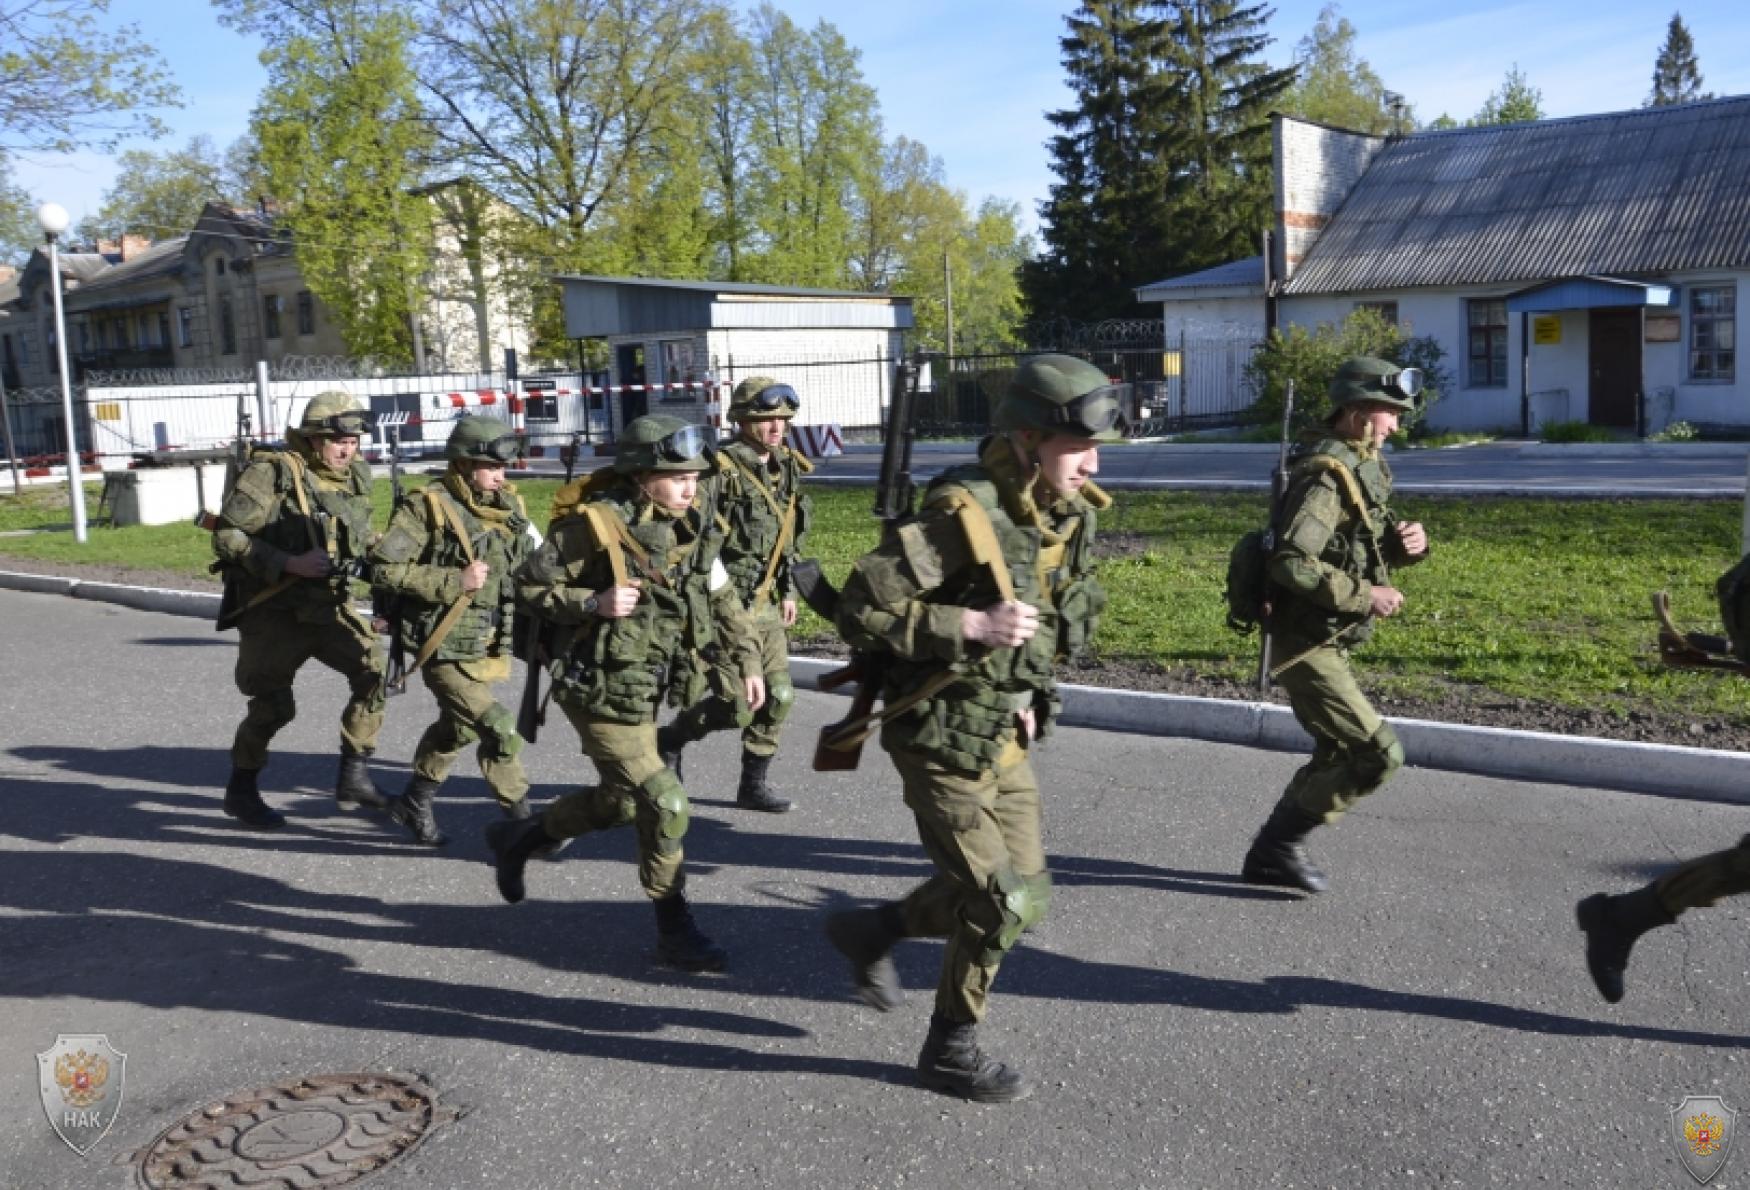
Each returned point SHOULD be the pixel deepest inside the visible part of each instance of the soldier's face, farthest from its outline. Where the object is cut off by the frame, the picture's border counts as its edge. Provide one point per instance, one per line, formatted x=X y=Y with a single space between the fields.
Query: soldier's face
x=1375 y=423
x=765 y=433
x=1066 y=463
x=674 y=490
x=486 y=478
x=337 y=452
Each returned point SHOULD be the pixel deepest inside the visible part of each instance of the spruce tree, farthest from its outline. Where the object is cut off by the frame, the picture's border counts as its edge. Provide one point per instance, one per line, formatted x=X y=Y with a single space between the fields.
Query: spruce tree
x=1676 y=76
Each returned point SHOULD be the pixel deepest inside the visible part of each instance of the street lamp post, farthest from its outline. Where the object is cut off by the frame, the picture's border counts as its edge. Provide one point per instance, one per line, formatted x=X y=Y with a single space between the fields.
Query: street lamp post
x=53 y=219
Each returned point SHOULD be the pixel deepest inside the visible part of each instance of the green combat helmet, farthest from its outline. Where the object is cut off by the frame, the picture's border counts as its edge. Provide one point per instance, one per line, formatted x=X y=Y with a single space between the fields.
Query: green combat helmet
x=1060 y=394
x=760 y=397
x=478 y=439
x=333 y=414
x=1377 y=382
x=658 y=443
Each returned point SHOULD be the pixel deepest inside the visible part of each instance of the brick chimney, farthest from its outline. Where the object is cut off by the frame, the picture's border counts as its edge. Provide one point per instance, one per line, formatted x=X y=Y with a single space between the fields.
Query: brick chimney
x=129 y=247
x=1316 y=167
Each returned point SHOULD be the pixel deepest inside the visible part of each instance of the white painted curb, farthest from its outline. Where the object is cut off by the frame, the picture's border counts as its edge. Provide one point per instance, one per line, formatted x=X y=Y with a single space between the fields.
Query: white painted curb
x=1701 y=773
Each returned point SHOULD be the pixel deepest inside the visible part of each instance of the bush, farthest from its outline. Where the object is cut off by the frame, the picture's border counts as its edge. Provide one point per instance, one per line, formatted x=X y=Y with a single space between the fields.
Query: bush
x=1677 y=431
x=1311 y=359
x=1574 y=431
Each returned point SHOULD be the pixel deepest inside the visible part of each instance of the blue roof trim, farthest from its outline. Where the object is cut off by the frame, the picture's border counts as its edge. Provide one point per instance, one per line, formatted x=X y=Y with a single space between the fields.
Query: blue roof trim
x=1589 y=293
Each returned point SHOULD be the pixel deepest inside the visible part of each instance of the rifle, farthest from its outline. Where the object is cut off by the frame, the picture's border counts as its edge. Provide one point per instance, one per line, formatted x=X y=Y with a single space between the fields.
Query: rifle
x=529 y=643
x=385 y=604
x=571 y=455
x=894 y=494
x=1278 y=494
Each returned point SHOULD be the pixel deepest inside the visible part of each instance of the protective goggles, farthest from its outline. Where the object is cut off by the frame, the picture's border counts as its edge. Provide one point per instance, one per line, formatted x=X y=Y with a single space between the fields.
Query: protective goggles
x=768 y=399
x=504 y=448
x=684 y=445
x=1406 y=383
x=352 y=424
x=1093 y=413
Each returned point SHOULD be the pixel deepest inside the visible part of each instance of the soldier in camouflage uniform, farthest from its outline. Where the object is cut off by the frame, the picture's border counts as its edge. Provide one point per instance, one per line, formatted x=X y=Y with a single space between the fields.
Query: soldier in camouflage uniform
x=970 y=606
x=293 y=531
x=1613 y=923
x=631 y=583
x=449 y=553
x=1330 y=576
x=760 y=497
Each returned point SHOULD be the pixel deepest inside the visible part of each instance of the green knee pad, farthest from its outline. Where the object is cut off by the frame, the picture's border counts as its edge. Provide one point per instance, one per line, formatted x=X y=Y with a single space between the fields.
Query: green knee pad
x=498 y=728
x=780 y=697
x=367 y=687
x=278 y=709
x=1382 y=757
x=669 y=801
x=1019 y=903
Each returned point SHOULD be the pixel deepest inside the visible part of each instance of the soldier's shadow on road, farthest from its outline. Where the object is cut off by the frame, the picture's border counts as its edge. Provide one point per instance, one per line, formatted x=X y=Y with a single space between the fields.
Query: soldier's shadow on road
x=184 y=642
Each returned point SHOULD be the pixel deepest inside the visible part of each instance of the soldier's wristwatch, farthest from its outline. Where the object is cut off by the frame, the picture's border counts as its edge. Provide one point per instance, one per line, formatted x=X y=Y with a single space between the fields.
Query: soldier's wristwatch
x=590 y=605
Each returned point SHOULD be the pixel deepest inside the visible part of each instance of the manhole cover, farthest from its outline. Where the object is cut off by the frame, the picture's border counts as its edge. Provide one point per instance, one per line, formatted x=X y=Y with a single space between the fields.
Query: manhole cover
x=322 y=1131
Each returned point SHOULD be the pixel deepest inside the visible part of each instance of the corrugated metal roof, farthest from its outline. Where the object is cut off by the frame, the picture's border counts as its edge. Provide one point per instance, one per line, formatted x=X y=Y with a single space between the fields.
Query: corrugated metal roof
x=1247 y=272
x=731 y=287
x=1655 y=190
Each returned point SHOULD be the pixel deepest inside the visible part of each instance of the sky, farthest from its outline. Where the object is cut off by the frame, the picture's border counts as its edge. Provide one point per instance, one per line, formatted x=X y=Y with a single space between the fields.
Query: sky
x=973 y=79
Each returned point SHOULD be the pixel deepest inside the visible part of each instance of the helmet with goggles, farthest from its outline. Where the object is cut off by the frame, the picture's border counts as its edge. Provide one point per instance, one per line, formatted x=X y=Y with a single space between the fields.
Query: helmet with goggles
x=333 y=414
x=1362 y=379
x=480 y=439
x=658 y=443
x=760 y=397
x=1060 y=394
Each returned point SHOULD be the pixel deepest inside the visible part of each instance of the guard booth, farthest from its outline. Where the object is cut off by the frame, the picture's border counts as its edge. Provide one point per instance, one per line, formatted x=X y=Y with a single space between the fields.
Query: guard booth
x=1587 y=347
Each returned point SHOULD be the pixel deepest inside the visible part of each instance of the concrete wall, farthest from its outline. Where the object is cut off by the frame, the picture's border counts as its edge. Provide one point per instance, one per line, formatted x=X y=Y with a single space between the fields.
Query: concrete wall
x=1213 y=318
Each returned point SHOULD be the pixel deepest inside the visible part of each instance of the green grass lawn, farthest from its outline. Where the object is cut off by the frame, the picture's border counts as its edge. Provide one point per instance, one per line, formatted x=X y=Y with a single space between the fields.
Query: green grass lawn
x=1534 y=599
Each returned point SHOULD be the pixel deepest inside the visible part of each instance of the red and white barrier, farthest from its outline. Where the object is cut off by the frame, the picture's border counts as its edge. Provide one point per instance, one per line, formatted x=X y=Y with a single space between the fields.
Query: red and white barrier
x=817 y=442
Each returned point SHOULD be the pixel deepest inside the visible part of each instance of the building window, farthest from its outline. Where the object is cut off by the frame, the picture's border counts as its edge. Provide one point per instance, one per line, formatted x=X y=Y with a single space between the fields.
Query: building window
x=1713 y=332
x=306 y=313
x=219 y=267
x=163 y=329
x=270 y=315
x=1386 y=310
x=184 y=326
x=227 y=329
x=1487 y=321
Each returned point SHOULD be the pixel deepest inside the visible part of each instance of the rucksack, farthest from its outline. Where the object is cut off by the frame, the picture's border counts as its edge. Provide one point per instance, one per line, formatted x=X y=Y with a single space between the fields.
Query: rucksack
x=1733 y=591
x=1248 y=563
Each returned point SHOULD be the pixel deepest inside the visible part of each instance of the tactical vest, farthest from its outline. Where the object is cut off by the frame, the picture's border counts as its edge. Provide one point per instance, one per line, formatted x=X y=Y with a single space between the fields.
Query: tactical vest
x=965 y=726
x=339 y=520
x=1357 y=548
x=620 y=669
x=756 y=522
x=485 y=625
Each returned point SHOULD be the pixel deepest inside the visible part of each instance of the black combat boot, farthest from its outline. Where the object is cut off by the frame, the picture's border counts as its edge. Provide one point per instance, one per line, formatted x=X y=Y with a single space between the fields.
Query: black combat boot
x=243 y=801
x=512 y=844
x=866 y=936
x=1612 y=924
x=1277 y=857
x=413 y=811
x=756 y=793
x=679 y=941
x=668 y=746
x=354 y=787
x=952 y=1062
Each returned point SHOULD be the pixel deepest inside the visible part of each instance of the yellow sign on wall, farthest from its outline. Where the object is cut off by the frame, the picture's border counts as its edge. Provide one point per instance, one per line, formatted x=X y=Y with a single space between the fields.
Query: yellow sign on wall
x=1546 y=329
x=107 y=411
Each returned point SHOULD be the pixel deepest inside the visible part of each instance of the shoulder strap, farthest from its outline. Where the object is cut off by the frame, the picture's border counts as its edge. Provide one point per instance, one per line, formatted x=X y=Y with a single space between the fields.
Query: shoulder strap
x=1346 y=480
x=786 y=518
x=444 y=512
x=607 y=530
x=981 y=537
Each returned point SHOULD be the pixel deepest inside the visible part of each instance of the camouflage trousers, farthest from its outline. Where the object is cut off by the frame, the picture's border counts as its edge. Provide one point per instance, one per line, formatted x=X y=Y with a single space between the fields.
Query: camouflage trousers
x=636 y=789
x=726 y=706
x=983 y=833
x=468 y=713
x=1703 y=881
x=273 y=645
x=1354 y=750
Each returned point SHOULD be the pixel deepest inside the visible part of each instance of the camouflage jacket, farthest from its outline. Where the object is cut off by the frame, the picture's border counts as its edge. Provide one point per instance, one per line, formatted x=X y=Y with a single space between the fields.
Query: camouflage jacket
x=754 y=496
x=263 y=526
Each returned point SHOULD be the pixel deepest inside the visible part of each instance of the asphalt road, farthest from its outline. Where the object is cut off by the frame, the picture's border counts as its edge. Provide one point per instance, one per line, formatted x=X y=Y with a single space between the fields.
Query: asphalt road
x=1426 y=1022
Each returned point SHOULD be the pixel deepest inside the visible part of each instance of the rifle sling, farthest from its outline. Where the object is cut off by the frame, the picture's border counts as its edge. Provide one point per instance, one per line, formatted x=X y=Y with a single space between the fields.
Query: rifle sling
x=787 y=525
x=444 y=513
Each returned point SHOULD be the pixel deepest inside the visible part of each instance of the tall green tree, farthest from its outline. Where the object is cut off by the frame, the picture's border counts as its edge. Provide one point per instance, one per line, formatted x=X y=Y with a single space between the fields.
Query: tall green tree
x=67 y=81
x=159 y=195
x=19 y=233
x=1516 y=101
x=816 y=134
x=342 y=139
x=720 y=109
x=1676 y=73
x=987 y=272
x=1337 y=86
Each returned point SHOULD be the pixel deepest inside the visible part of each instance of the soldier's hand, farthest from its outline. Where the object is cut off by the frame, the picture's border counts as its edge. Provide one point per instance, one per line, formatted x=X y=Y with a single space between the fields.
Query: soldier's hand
x=787 y=609
x=1001 y=625
x=616 y=602
x=311 y=564
x=474 y=576
x=1385 y=601
x=1029 y=725
x=755 y=690
x=1413 y=538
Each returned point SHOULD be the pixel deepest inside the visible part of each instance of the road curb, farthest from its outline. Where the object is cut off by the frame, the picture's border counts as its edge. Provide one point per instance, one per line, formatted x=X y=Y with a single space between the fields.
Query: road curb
x=1702 y=773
